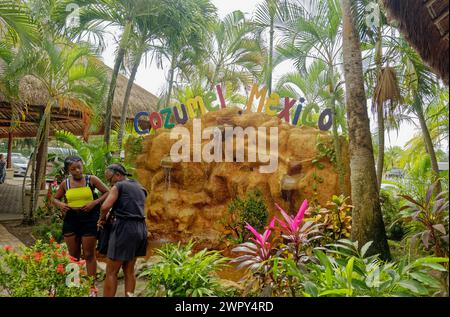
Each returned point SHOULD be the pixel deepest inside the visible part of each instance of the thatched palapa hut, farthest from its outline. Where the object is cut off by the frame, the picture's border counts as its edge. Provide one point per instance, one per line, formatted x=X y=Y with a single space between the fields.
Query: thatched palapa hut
x=424 y=23
x=34 y=99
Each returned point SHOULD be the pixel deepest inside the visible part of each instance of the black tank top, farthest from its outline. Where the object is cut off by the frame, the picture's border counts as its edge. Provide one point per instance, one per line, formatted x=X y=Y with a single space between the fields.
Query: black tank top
x=131 y=200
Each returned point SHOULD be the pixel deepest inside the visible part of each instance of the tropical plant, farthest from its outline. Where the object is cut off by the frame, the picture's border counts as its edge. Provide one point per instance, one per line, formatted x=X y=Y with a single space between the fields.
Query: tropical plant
x=16 y=23
x=251 y=210
x=367 y=219
x=297 y=236
x=95 y=154
x=431 y=212
x=122 y=15
x=233 y=56
x=72 y=78
x=182 y=273
x=185 y=25
x=315 y=35
x=43 y=270
x=335 y=217
x=342 y=270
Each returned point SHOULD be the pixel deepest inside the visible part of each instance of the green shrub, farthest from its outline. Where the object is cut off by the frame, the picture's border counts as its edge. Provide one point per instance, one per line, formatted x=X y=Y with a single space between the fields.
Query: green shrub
x=42 y=231
x=251 y=210
x=341 y=270
x=390 y=208
x=45 y=269
x=181 y=273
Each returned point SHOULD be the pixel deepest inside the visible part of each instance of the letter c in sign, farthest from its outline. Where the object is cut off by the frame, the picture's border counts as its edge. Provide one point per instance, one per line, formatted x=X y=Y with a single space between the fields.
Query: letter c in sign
x=326 y=126
x=136 y=123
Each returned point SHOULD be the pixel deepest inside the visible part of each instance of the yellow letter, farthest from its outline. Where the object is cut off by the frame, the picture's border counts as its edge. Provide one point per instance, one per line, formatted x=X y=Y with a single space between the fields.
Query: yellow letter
x=273 y=100
x=195 y=103
x=261 y=95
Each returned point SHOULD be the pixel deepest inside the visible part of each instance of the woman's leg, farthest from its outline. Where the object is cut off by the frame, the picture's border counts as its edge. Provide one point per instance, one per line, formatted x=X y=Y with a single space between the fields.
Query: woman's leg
x=89 y=244
x=73 y=244
x=130 y=278
x=110 y=286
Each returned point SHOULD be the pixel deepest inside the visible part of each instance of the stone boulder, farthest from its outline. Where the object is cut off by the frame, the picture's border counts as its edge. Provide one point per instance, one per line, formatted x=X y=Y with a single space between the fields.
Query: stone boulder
x=190 y=199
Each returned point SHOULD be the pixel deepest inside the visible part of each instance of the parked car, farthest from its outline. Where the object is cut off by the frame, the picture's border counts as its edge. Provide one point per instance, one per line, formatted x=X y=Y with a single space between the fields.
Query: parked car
x=20 y=165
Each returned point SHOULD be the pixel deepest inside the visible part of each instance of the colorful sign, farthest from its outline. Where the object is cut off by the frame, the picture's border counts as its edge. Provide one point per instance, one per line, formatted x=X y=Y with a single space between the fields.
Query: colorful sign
x=181 y=114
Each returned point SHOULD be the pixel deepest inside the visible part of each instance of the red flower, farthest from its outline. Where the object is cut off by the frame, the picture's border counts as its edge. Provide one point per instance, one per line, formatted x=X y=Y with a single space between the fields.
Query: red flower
x=60 y=268
x=52 y=240
x=72 y=259
x=57 y=246
x=81 y=263
x=37 y=256
x=7 y=248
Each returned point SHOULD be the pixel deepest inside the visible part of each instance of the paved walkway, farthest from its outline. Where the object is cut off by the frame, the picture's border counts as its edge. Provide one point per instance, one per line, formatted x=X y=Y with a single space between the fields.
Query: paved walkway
x=7 y=238
x=11 y=196
x=10 y=210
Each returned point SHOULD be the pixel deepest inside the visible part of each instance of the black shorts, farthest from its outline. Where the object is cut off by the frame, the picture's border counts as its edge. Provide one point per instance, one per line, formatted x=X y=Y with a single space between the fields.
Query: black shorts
x=81 y=223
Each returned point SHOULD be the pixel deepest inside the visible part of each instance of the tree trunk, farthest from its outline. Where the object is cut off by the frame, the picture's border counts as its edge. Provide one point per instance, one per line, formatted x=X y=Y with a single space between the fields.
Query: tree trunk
x=336 y=141
x=113 y=83
x=270 y=65
x=123 y=116
x=8 y=157
x=367 y=223
x=429 y=147
x=380 y=112
x=380 y=157
x=171 y=78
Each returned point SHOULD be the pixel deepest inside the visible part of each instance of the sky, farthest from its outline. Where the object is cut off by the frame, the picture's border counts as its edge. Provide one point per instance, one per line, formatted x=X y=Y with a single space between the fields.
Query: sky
x=154 y=80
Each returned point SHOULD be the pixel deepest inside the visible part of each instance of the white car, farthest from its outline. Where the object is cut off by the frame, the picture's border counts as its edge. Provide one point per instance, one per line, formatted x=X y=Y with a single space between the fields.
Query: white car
x=20 y=165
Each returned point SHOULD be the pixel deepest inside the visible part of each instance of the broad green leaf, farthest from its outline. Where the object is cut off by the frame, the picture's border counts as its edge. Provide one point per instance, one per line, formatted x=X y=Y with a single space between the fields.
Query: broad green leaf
x=425 y=279
x=365 y=248
x=414 y=287
x=339 y=291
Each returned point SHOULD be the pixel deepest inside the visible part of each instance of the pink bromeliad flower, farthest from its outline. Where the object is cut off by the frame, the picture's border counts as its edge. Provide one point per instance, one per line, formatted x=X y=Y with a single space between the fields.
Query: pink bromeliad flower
x=262 y=239
x=291 y=225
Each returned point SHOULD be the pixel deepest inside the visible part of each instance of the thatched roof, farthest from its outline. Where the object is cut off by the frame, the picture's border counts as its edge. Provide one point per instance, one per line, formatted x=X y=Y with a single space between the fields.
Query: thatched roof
x=424 y=23
x=33 y=94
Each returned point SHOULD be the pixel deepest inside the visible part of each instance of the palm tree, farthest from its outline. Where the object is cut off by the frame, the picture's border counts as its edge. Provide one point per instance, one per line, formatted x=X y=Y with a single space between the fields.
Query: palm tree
x=72 y=77
x=185 y=25
x=313 y=86
x=146 y=31
x=118 y=14
x=381 y=79
x=316 y=36
x=419 y=85
x=367 y=219
x=272 y=15
x=15 y=22
x=232 y=58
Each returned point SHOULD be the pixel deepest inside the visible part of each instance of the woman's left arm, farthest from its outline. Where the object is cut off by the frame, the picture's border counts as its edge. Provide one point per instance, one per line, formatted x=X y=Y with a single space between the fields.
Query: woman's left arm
x=107 y=205
x=98 y=184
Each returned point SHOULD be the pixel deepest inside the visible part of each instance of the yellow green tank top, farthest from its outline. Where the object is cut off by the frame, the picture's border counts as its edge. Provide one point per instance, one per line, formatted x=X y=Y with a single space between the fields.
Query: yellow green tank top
x=80 y=196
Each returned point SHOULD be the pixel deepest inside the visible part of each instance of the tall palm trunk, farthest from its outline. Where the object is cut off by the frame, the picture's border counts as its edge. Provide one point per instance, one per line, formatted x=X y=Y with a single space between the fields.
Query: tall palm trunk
x=171 y=78
x=123 y=116
x=380 y=113
x=270 y=65
x=367 y=219
x=380 y=157
x=336 y=141
x=429 y=146
x=112 y=86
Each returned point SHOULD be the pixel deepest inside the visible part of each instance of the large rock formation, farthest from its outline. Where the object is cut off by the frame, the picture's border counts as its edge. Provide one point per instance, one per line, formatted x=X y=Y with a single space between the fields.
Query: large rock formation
x=190 y=200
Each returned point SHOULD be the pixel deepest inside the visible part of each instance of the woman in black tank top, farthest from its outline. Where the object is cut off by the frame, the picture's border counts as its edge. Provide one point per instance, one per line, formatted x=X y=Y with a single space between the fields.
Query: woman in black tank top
x=128 y=236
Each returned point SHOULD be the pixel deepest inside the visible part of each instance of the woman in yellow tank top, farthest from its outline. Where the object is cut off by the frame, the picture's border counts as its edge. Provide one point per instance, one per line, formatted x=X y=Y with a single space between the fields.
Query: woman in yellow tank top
x=80 y=210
